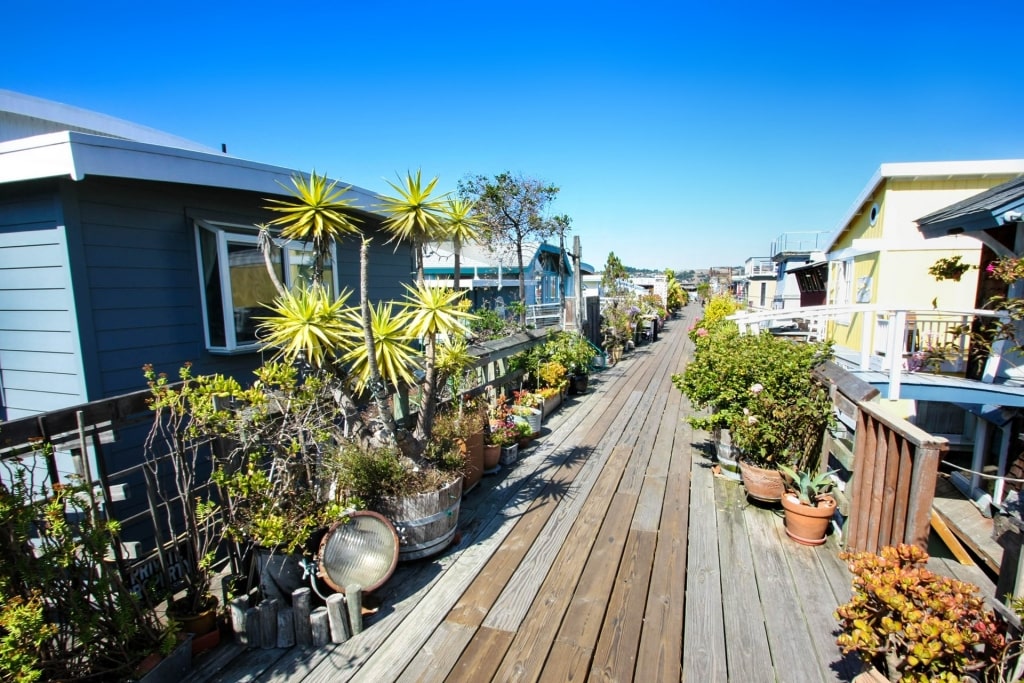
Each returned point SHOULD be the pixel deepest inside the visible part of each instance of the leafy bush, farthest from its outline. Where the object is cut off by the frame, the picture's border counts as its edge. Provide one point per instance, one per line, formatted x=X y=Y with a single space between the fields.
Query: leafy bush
x=65 y=613
x=726 y=365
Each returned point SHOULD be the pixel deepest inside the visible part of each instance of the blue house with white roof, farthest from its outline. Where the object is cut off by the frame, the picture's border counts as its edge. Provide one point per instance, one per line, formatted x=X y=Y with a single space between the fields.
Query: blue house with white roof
x=121 y=245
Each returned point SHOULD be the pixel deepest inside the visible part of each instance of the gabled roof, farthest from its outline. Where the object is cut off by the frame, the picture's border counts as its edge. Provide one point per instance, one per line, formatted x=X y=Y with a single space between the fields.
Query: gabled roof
x=980 y=212
x=922 y=170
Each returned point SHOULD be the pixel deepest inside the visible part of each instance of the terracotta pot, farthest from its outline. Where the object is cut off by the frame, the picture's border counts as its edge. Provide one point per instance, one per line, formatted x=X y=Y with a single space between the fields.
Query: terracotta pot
x=197 y=624
x=492 y=456
x=473 y=451
x=762 y=484
x=808 y=524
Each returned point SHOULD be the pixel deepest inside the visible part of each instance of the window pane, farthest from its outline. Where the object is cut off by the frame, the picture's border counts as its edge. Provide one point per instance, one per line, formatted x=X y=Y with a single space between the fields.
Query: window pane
x=211 y=287
x=300 y=263
x=252 y=290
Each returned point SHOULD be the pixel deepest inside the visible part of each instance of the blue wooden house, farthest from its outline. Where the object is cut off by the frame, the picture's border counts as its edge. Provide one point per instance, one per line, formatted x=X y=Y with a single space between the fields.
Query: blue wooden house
x=121 y=246
x=492 y=276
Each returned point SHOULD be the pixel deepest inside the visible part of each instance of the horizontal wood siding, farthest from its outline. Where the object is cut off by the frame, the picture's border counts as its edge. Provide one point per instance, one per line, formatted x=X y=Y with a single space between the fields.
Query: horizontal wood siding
x=40 y=362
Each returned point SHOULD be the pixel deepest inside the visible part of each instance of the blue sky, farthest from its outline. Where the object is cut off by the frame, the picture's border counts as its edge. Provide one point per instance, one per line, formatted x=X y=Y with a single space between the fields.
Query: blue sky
x=681 y=134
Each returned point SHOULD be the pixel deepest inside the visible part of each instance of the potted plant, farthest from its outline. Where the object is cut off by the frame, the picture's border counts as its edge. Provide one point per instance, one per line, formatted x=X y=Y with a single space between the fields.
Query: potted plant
x=502 y=435
x=808 y=504
x=772 y=432
x=914 y=625
x=527 y=407
x=760 y=384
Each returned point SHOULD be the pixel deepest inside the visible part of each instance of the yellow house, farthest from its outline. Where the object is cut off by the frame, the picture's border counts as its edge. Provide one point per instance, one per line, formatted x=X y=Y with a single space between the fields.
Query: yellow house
x=877 y=255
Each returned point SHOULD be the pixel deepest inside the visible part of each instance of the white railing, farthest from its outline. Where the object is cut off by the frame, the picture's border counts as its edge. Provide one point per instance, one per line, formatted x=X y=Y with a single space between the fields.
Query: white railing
x=544 y=315
x=890 y=338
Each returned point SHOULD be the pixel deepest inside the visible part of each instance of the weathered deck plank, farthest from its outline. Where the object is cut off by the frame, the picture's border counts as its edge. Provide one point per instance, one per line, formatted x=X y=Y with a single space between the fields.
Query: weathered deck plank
x=744 y=620
x=704 y=643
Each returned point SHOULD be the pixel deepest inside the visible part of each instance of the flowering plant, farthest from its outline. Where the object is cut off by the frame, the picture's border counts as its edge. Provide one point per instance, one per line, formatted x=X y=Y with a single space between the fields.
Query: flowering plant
x=502 y=434
x=773 y=430
x=527 y=399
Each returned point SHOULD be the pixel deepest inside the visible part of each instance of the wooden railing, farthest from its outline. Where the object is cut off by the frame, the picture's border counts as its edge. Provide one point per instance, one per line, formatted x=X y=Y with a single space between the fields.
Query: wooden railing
x=895 y=467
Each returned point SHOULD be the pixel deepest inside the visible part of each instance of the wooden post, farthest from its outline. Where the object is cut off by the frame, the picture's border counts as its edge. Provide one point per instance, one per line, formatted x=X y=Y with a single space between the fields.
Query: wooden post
x=336 y=615
x=301 y=604
x=285 y=627
x=238 y=607
x=268 y=623
x=354 y=597
x=320 y=626
x=252 y=627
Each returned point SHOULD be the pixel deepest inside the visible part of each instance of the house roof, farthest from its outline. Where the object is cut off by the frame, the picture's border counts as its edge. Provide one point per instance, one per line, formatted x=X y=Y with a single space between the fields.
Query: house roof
x=76 y=155
x=440 y=259
x=980 y=212
x=23 y=116
x=921 y=170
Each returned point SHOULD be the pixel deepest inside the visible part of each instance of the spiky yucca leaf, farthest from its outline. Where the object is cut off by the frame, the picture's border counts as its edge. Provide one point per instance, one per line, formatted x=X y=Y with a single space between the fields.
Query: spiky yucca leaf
x=320 y=213
x=453 y=356
x=413 y=215
x=436 y=310
x=462 y=224
x=396 y=359
x=308 y=321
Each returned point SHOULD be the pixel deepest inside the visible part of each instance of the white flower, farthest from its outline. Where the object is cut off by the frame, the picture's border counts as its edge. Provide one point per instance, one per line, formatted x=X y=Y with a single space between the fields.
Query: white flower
x=757 y=388
x=752 y=419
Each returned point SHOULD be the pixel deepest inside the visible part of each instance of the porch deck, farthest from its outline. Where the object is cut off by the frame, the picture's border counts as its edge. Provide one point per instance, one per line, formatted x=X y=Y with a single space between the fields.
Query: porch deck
x=609 y=552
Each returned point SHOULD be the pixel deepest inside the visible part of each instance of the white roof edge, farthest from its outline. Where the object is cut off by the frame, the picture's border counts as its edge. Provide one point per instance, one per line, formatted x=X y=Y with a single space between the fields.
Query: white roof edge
x=922 y=169
x=101 y=124
x=77 y=155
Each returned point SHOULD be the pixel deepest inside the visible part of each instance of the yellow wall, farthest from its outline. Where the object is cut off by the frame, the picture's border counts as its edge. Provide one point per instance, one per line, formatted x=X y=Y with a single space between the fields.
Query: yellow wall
x=899 y=267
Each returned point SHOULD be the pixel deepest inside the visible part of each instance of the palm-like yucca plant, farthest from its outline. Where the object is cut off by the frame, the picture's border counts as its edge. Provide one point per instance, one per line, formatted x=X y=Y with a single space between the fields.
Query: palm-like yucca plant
x=433 y=311
x=395 y=358
x=319 y=214
x=307 y=321
x=414 y=215
x=462 y=224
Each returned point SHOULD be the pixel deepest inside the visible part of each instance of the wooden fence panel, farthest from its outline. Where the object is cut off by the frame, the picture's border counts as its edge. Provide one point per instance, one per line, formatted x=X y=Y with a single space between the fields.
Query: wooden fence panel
x=894 y=474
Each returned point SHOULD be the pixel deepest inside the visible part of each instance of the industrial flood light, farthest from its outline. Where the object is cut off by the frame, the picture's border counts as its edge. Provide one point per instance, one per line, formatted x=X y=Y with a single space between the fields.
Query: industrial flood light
x=361 y=549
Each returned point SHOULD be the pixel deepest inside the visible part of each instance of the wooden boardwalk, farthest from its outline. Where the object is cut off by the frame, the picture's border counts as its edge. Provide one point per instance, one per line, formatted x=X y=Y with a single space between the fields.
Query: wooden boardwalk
x=609 y=552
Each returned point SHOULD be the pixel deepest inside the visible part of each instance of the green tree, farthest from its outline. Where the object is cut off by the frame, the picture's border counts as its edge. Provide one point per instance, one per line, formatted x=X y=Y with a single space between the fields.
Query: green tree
x=512 y=208
x=614 y=276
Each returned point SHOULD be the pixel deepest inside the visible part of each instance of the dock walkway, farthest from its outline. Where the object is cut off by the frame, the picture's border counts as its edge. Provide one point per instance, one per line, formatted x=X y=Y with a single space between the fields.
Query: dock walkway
x=609 y=552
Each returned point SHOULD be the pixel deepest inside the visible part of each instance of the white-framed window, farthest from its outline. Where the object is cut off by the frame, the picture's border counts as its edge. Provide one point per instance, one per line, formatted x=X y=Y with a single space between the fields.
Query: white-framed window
x=843 y=292
x=235 y=286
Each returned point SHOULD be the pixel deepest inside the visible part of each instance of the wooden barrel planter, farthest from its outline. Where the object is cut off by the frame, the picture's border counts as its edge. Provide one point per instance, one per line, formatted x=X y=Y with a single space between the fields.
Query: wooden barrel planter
x=425 y=522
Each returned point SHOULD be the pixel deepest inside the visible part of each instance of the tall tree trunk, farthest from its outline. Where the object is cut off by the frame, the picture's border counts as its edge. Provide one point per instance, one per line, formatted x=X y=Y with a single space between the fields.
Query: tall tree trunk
x=457 y=245
x=522 y=283
x=425 y=423
x=387 y=418
x=418 y=251
x=265 y=244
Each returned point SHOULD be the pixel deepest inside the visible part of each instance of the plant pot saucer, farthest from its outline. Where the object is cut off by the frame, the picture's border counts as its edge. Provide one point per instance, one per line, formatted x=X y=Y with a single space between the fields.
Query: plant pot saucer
x=493 y=470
